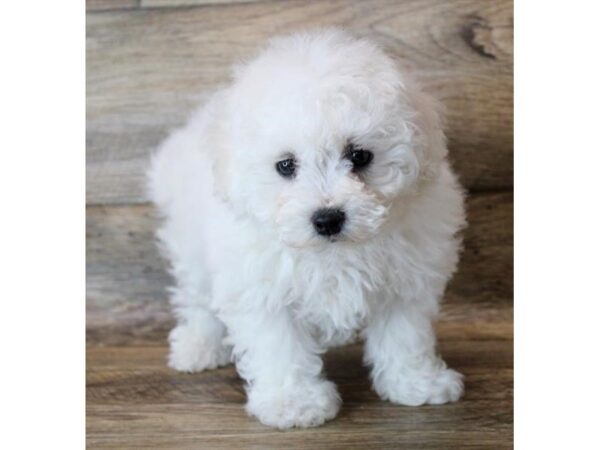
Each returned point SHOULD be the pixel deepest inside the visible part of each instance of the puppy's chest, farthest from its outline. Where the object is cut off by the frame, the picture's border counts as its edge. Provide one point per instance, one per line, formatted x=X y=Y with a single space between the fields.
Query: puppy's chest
x=334 y=295
x=333 y=320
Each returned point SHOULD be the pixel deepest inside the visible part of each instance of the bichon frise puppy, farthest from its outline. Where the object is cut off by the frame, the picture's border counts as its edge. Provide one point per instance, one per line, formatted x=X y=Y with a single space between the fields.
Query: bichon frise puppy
x=309 y=203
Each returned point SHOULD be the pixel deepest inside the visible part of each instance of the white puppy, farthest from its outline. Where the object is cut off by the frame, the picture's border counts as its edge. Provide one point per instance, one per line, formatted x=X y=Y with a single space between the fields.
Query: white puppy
x=309 y=203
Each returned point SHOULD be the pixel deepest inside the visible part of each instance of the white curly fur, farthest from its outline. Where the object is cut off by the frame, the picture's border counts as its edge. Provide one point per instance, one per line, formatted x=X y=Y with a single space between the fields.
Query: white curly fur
x=255 y=283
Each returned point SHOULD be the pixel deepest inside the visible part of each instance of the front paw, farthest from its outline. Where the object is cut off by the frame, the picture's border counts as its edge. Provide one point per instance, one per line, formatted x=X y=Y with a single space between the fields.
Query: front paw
x=418 y=387
x=194 y=350
x=297 y=403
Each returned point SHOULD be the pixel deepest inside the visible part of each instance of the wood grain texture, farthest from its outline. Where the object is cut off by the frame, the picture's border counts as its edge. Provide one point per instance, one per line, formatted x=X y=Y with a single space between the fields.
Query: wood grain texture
x=148 y=68
x=149 y=62
x=135 y=401
x=126 y=278
x=105 y=5
x=179 y=3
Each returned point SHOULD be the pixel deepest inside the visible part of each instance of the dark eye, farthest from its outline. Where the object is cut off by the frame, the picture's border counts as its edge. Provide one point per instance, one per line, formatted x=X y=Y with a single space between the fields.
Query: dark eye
x=286 y=168
x=359 y=157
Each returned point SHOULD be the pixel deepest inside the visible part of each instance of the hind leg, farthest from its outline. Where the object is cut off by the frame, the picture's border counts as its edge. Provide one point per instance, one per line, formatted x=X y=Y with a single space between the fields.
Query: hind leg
x=196 y=343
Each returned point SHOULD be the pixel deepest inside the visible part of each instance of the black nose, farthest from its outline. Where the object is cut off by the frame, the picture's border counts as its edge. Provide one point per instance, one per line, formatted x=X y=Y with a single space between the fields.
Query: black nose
x=328 y=222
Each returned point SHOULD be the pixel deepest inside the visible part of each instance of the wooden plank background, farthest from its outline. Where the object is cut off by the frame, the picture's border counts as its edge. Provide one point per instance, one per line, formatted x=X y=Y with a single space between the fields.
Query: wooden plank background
x=126 y=278
x=147 y=68
x=149 y=62
x=134 y=401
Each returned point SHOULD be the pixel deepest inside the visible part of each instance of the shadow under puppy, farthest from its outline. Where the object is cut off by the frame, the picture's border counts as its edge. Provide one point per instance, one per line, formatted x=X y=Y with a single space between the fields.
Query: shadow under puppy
x=308 y=203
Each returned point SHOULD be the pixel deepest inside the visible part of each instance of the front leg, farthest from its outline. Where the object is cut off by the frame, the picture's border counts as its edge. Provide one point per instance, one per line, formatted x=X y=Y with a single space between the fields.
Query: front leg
x=400 y=348
x=281 y=364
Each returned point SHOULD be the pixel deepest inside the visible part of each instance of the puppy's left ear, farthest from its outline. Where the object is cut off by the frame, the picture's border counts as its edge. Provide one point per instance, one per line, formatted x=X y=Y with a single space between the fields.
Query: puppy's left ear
x=431 y=149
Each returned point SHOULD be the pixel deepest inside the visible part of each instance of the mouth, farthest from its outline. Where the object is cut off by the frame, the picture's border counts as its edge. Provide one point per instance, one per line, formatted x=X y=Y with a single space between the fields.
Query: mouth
x=338 y=238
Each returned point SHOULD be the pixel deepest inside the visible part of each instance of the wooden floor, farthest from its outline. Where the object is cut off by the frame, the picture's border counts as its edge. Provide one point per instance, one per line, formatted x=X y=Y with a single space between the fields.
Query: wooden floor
x=135 y=401
x=148 y=64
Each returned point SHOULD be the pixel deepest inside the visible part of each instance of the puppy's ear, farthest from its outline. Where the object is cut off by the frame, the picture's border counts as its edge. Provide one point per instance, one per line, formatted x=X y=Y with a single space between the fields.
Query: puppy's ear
x=218 y=143
x=410 y=165
x=432 y=148
x=222 y=178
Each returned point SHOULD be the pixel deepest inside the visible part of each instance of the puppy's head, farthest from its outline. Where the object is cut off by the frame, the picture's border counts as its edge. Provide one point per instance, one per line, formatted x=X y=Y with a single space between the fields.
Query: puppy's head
x=325 y=136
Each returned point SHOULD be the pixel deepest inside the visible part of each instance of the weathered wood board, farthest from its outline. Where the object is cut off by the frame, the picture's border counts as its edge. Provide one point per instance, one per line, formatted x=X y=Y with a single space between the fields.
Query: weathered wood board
x=127 y=281
x=105 y=5
x=148 y=68
x=135 y=401
x=149 y=62
x=179 y=3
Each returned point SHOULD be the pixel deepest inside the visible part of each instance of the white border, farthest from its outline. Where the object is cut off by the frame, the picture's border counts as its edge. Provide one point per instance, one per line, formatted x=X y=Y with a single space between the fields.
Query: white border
x=557 y=224
x=42 y=241
x=557 y=210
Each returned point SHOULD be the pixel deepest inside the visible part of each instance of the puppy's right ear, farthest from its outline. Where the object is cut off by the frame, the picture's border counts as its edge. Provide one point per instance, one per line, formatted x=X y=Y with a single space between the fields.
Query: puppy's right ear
x=222 y=178
x=217 y=141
